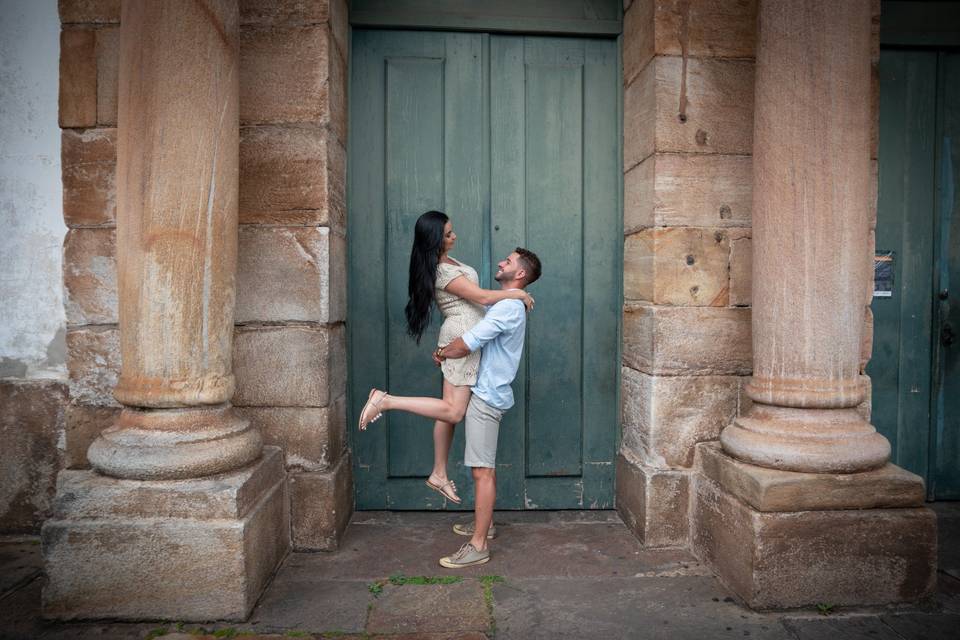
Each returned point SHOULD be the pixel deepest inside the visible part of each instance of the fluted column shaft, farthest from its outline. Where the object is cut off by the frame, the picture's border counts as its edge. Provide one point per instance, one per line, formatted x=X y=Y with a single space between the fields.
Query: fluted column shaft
x=811 y=265
x=177 y=193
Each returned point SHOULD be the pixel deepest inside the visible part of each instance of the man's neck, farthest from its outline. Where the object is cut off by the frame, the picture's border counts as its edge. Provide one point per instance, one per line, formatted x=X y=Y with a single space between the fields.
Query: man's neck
x=513 y=284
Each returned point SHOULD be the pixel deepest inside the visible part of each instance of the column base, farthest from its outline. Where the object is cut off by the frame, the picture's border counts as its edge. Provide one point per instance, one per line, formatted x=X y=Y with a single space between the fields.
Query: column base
x=653 y=503
x=190 y=550
x=780 y=539
x=321 y=505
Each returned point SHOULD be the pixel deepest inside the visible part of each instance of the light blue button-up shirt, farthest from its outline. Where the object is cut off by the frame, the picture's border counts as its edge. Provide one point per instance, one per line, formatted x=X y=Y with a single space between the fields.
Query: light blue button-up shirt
x=500 y=333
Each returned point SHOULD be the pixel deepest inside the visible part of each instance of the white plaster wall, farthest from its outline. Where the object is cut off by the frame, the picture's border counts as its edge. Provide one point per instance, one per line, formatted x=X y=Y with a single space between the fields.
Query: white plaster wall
x=32 y=322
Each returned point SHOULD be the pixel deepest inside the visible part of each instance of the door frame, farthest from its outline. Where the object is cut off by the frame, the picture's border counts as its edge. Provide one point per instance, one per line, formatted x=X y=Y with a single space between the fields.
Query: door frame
x=486 y=21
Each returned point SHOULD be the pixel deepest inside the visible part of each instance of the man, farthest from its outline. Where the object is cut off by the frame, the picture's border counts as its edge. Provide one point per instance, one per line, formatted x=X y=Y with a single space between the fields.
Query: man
x=500 y=334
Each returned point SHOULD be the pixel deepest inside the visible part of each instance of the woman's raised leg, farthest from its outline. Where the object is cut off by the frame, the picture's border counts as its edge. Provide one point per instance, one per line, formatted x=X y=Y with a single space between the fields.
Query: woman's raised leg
x=458 y=397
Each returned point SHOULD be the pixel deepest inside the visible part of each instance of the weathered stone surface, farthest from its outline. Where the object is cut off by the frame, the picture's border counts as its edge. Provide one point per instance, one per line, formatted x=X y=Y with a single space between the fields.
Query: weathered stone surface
x=678 y=266
x=177 y=203
x=721 y=28
x=639 y=117
x=93 y=362
x=741 y=270
x=337 y=84
x=638 y=41
x=811 y=154
x=89 y=166
x=90 y=276
x=866 y=341
x=312 y=438
x=653 y=502
x=772 y=490
x=78 y=78
x=686 y=340
x=865 y=408
x=283 y=12
x=719 y=107
x=292 y=366
x=638 y=196
x=84 y=424
x=291 y=175
x=283 y=75
x=108 y=75
x=89 y=11
x=430 y=608
x=664 y=417
x=340 y=26
x=783 y=560
x=682 y=189
x=321 y=503
x=291 y=273
x=227 y=533
x=31 y=425
x=703 y=190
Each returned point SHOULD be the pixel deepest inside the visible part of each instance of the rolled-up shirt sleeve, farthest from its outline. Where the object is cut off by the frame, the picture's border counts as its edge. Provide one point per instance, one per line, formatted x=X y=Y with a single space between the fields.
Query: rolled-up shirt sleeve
x=503 y=316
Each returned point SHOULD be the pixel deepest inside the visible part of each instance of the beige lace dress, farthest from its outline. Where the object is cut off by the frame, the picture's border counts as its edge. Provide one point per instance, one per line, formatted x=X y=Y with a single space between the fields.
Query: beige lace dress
x=459 y=315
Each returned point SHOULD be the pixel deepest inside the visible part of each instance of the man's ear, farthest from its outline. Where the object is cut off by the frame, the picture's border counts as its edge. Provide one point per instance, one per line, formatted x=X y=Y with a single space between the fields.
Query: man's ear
x=521 y=275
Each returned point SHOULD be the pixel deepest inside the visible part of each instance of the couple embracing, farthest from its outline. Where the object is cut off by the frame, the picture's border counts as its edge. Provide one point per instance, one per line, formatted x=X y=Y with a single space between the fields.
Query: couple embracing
x=480 y=344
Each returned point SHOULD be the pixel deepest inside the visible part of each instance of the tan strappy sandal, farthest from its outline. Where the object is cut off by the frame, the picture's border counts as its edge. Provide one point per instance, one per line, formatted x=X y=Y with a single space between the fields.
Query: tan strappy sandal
x=447 y=489
x=371 y=410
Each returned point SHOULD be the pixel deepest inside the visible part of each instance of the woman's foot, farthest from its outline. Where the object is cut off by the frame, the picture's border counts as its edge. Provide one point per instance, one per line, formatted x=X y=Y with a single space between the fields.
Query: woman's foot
x=371 y=410
x=445 y=487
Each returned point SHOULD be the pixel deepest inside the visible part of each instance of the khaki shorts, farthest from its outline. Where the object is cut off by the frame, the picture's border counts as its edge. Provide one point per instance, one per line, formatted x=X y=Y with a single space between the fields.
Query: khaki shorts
x=482 y=426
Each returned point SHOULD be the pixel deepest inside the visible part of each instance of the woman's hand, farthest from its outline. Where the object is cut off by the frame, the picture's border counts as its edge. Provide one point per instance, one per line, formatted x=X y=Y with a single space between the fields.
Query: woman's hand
x=524 y=297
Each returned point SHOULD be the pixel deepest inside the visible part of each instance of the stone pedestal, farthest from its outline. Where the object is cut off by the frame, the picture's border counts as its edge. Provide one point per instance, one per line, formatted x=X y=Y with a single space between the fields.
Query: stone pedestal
x=653 y=502
x=782 y=539
x=322 y=503
x=190 y=550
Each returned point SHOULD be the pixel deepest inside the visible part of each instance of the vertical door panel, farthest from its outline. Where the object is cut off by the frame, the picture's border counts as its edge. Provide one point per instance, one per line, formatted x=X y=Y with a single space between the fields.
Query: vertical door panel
x=554 y=227
x=946 y=440
x=900 y=366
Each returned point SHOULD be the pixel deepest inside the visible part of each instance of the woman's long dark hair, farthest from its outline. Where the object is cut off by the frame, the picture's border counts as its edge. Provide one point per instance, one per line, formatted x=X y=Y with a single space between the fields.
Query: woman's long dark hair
x=424 y=258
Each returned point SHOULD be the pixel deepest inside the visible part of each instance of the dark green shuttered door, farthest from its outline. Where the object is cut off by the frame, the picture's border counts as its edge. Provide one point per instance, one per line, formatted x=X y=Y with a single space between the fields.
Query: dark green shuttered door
x=517 y=139
x=914 y=369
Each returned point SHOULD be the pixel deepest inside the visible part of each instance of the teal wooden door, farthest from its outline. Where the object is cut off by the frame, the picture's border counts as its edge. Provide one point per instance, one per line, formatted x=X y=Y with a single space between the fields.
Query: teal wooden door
x=517 y=139
x=945 y=481
x=916 y=381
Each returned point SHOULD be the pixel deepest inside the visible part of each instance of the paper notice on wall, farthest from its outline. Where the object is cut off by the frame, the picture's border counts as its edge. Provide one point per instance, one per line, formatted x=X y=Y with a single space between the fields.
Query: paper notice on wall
x=883 y=274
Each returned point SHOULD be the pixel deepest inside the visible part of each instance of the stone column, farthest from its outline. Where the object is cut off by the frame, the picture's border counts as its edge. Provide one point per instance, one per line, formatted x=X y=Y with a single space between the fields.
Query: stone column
x=811 y=180
x=185 y=517
x=177 y=191
x=799 y=505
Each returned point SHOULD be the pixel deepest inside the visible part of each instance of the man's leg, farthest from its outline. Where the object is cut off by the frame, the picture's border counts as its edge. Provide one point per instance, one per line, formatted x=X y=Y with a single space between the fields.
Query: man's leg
x=482 y=426
x=485 y=490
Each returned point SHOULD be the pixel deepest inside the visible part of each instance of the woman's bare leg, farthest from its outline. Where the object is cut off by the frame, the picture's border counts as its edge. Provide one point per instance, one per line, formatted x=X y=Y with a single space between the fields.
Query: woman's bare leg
x=443 y=431
x=443 y=409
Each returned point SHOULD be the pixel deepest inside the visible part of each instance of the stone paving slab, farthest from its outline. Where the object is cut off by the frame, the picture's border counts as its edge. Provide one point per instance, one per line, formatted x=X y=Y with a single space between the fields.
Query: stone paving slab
x=379 y=545
x=20 y=562
x=430 y=608
x=921 y=626
x=312 y=606
x=860 y=628
x=654 y=608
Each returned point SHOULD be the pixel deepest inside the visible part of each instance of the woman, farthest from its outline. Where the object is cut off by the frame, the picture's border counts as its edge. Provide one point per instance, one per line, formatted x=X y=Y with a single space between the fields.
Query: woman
x=454 y=286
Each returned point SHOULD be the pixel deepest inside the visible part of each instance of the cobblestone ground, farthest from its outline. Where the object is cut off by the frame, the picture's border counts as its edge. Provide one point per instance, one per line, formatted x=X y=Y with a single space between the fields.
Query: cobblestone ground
x=552 y=575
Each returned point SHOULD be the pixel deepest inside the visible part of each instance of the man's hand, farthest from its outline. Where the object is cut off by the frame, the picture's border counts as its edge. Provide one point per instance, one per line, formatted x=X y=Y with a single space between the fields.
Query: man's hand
x=437 y=359
x=456 y=349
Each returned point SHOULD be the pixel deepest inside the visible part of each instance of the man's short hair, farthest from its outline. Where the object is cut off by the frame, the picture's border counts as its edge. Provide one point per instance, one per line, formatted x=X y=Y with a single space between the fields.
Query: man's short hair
x=530 y=263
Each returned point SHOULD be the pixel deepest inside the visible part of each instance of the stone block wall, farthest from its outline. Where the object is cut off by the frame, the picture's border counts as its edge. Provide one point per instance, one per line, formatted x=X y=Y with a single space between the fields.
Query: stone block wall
x=290 y=339
x=688 y=70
